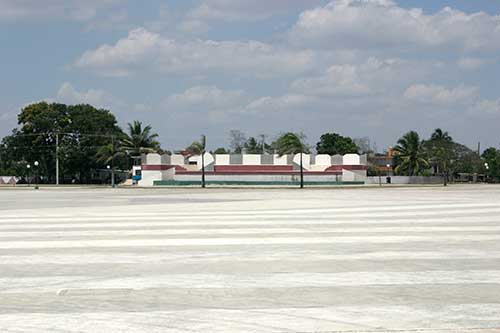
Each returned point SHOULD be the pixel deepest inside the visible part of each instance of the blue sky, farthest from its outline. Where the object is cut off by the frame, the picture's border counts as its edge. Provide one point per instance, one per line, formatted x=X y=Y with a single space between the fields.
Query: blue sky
x=374 y=68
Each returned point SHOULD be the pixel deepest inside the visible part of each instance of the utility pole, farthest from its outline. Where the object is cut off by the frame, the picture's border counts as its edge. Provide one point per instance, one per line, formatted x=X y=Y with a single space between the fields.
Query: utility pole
x=112 y=161
x=57 y=159
x=301 y=169
x=479 y=148
x=204 y=145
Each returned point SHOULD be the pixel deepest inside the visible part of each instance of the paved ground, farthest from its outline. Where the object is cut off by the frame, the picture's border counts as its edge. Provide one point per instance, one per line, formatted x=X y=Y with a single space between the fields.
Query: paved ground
x=169 y=260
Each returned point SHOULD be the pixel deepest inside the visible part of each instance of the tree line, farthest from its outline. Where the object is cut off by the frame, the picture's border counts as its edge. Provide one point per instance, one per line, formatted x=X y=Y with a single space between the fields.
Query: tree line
x=84 y=139
x=87 y=141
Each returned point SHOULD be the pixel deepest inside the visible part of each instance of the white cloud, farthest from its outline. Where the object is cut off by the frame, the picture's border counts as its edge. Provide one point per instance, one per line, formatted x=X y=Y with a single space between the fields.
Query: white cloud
x=382 y=23
x=193 y=26
x=98 y=98
x=116 y=20
x=490 y=107
x=373 y=76
x=80 y=10
x=470 y=63
x=439 y=95
x=285 y=103
x=246 y=10
x=140 y=47
x=144 y=50
x=206 y=98
x=339 y=80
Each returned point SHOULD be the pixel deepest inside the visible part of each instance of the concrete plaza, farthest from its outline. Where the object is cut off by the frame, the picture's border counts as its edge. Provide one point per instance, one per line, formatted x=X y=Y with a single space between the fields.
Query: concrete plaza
x=416 y=259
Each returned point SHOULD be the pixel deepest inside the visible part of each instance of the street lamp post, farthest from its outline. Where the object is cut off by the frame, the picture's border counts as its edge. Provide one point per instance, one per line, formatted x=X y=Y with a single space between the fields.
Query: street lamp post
x=109 y=169
x=36 y=164
x=388 y=171
x=28 y=167
x=487 y=166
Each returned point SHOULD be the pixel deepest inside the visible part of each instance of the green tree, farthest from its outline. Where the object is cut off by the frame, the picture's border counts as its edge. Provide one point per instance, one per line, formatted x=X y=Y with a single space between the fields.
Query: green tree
x=292 y=143
x=467 y=160
x=35 y=138
x=237 y=141
x=139 y=140
x=333 y=143
x=491 y=157
x=82 y=130
x=254 y=146
x=364 y=145
x=221 y=151
x=199 y=148
x=89 y=130
x=440 y=149
x=410 y=158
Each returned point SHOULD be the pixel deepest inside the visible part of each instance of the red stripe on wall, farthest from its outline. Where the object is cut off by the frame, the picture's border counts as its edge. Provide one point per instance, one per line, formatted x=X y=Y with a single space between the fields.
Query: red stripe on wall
x=347 y=167
x=253 y=168
x=315 y=173
x=256 y=169
x=158 y=167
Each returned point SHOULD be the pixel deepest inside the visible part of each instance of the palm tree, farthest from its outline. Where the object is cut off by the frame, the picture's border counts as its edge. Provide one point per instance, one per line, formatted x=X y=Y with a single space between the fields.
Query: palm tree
x=440 y=136
x=199 y=148
x=292 y=143
x=440 y=146
x=411 y=154
x=139 y=140
x=108 y=154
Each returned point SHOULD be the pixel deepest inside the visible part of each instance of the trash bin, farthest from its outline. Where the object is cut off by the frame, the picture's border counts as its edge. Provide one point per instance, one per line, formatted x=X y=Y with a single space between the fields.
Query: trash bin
x=388 y=180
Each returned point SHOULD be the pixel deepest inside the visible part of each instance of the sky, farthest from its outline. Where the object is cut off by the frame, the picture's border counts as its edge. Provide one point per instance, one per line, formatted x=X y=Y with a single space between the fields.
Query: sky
x=361 y=68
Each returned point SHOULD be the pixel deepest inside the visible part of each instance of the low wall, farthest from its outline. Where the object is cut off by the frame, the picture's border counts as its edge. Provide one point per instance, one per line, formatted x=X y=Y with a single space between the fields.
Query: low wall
x=260 y=178
x=406 y=180
x=8 y=180
x=149 y=177
x=257 y=180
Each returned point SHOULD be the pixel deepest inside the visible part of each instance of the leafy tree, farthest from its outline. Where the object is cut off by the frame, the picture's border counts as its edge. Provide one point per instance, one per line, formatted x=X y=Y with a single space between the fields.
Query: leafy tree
x=491 y=156
x=439 y=136
x=82 y=130
x=110 y=153
x=292 y=143
x=237 y=141
x=221 y=151
x=467 y=160
x=199 y=148
x=440 y=149
x=364 y=145
x=449 y=157
x=333 y=143
x=265 y=147
x=410 y=158
x=252 y=146
x=89 y=129
x=35 y=139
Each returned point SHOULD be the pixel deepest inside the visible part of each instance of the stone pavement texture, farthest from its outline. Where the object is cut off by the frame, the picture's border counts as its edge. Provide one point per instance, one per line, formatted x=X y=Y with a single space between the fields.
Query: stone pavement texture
x=250 y=260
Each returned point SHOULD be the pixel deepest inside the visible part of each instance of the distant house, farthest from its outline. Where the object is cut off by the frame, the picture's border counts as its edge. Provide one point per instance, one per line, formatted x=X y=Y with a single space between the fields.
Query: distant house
x=384 y=162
